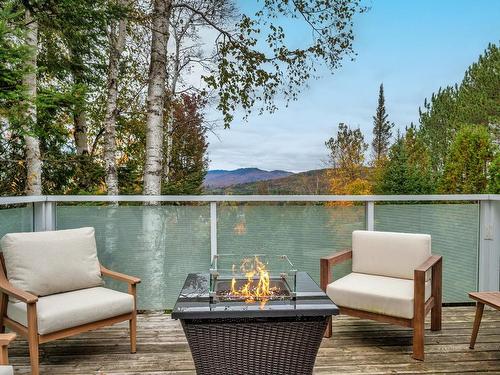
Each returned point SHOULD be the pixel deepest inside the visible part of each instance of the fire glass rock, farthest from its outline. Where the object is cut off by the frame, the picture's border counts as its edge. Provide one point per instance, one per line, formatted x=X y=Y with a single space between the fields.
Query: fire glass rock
x=278 y=289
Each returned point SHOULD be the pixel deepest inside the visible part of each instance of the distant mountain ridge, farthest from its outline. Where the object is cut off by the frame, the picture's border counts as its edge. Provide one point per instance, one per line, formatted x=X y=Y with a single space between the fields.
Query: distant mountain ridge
x=220 y=178
x=315 y=181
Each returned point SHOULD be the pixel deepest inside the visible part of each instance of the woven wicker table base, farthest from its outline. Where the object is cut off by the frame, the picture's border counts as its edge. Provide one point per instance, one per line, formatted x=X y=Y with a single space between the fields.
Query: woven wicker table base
x=255 y=345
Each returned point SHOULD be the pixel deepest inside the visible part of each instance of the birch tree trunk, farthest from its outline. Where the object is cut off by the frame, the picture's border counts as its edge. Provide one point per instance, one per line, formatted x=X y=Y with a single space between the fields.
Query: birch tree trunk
x=156 y=96
x=154 y=215
x=81 y=140
x=117 y=44
x=33 y=159
x=170 y=118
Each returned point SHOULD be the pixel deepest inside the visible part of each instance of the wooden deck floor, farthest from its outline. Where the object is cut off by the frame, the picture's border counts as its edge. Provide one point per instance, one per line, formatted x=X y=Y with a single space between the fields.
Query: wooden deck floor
x=358 y=347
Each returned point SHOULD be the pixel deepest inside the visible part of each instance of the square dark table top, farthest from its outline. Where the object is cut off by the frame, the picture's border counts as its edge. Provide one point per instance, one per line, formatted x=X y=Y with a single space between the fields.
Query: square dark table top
x=194 y=302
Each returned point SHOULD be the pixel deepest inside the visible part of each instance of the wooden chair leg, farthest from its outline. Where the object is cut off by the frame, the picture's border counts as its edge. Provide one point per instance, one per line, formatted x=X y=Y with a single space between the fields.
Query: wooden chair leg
x=326 y=278
x=477 y=323
x=328 y=330
x=419 y=316
x=418 y=339
x=4 y=355
x=436 y=317
x=437 y=293
x=5 y=340
x=33 y=339
x=133 y=334
x=132 y=289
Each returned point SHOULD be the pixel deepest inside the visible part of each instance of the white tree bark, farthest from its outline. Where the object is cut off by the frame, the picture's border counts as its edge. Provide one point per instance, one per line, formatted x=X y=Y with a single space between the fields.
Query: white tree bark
x=170 y=119
x=154 y=215
x=33 y=159
x=81 y=139
x=117 y=44
x=156 y=96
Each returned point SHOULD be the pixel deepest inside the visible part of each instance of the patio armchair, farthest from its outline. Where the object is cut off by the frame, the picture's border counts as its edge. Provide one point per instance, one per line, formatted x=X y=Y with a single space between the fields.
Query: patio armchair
x=394 y=279
x=51 y=287
x=5 y=340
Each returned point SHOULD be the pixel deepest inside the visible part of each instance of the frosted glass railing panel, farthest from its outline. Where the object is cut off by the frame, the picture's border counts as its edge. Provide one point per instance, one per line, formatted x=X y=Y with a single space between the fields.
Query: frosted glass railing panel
x=303 y=232
x=161 y=245
x=19 y=219
x=455 y=234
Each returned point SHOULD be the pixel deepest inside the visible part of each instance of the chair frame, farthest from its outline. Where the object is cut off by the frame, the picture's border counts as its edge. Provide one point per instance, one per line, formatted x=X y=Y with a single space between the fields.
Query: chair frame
x=31 y=331
x=420 y=307
x=5 y=340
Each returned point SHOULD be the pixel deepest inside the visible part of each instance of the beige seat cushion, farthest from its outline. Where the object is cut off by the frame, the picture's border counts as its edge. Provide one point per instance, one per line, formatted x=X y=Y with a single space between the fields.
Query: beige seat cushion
x=389 y=254
x=45 y=263
x=377 y=294
x=71 y=309
x=6 y=370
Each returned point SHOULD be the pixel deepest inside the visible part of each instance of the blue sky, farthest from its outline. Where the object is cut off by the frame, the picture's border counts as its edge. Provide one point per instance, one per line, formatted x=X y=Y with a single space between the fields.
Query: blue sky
x=413 y=47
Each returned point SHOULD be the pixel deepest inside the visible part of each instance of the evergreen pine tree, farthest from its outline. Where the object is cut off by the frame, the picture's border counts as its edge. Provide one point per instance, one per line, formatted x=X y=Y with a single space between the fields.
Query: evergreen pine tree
x=382 y=129
x=466 y=166
x=407 y=168
x=475 y=101
x=396 y=171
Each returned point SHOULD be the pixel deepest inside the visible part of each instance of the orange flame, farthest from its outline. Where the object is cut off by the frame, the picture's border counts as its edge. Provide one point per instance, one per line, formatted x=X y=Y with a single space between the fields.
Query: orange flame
x=252 y=291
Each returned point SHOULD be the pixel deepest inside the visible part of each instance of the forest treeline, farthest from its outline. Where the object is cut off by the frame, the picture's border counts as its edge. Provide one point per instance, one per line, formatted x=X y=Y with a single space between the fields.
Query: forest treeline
x=454 y=149
x=111 y=96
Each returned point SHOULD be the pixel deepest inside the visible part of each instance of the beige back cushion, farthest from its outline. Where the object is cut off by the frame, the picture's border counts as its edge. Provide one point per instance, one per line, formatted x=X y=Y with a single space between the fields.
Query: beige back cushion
x=389 y=254
x=45 y=263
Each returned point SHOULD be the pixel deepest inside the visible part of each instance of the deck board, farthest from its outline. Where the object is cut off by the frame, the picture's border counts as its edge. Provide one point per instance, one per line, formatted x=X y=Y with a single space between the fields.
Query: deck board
x=357 y=347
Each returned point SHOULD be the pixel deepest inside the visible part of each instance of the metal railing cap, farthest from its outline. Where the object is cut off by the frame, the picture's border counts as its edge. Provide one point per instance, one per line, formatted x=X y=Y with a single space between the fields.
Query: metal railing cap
x=247 y=198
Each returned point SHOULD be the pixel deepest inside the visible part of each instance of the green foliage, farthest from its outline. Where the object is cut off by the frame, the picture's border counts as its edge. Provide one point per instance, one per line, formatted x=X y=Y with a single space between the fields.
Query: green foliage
x=438 y=124
x=475 y=101
x=382 y=129
x=347 y=150
x=255 y=66
x=347 y=156
x=494 y=178
x=256 y=62
x=73 y=38
x=12 y=167
x=72 y=174
x=465 y=170
x=407 y=170
x=13 y=57
x=131 y=140
x=189 y=163
x=453 y=144
x=72 y=60
x=479 y=93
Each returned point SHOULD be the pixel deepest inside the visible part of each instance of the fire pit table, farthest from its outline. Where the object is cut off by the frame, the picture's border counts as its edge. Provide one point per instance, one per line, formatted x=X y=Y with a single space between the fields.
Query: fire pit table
x=254 y=316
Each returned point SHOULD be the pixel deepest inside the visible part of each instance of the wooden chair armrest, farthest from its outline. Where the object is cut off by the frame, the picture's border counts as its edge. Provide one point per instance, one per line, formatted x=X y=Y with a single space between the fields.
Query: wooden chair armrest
x=428 y=264
x=338 y=257
x=120 y=276
x=327 y=262
x=434 y=262
x=23 y=296
x=6 y=338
